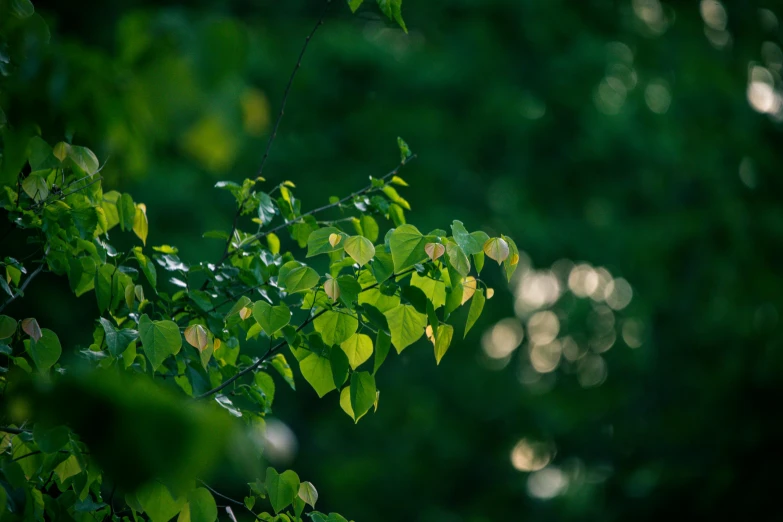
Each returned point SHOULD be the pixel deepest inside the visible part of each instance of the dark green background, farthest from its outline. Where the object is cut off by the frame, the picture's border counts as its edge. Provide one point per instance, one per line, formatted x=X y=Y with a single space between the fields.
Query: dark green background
x=503 y=101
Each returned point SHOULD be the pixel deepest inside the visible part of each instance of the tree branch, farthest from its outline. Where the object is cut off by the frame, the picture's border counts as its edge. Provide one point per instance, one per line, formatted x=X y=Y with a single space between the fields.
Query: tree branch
x=272 y=136
x=26 y=282
x=365 y=190
x=282 y=343
x=15 y=431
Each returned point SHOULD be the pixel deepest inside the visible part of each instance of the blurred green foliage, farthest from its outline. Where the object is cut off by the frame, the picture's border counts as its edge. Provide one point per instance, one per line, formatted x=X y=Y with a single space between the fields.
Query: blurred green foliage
x=632 y=135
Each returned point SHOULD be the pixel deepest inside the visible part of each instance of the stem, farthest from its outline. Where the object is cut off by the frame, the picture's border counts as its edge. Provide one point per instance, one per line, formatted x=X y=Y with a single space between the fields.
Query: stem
x=282 y=343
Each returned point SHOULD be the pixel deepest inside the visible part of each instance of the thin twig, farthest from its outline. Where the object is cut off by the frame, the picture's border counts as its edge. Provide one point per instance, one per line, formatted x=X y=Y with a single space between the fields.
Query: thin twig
x=282 y=343
x=272 y=136
x=221 y=495
x=26 y=282
x=365 y=190
x=15 y=431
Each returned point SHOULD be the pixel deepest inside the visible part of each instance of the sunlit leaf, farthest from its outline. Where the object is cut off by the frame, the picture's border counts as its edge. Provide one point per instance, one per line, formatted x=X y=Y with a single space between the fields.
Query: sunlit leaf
x=308 y=493
x=140 y=223
x=196 y=336
x=434 y=250
x=406 y=325
x=360 y=249
x=476 y=307
x=335 y=327
x=443 y=341
x=358 y=348
x=202 y=506
x=468 y=288
x=362 y=393
x=496 y=248
x=332 y=289
x=317 y=370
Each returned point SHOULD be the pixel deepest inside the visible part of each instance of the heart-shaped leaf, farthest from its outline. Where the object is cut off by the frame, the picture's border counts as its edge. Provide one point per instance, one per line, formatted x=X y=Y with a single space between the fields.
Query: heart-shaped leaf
x=160 y=339
x=31 y=328
x=271 y=318
x=360 y=249
x=434 y=250
x=196 y=336
x=282 y=488
x=496 y=248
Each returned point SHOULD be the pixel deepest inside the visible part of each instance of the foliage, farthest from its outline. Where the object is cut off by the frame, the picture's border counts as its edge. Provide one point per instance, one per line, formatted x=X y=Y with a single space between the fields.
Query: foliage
x=132 y=422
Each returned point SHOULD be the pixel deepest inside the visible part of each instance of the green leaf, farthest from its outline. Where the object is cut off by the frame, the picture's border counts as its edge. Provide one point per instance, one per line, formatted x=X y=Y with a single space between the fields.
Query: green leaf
x=126 y=212
x=457 y=258
x=382 y=346
x=443 y=341
x=395 y=197
x=335 y=327
x=52 y=439
x=158 y=502
x=160 y=339
x=46 y=350
x=405 y=150
x=202 y=506
x=117 y=340
x=318 y=241
x=476 y=306
x=407 y=247
x=300 y=279
x=267 y=386
x=22 y=9
x=497 y=249
x=7 y=327
x=358 y=348
x=83 y=158
x=360 y=249
x=406 y=325
x=354 y=4
x=396 y=8
x=308 y=493
x=511 y=262
x=349 y=290
x=103 y=286
x=367 y=227
x=396 y=214
x=281 y=488
x=140 y=224
x=340 y=365
x=433 y=289
x=478 y=261
x=468 y=243
x=35 y=186
x=385 y=7
x=382 y=266
x=362 y=393
x=271 y=318
x=147 y=267
x=317 y=371
x=280 y=364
